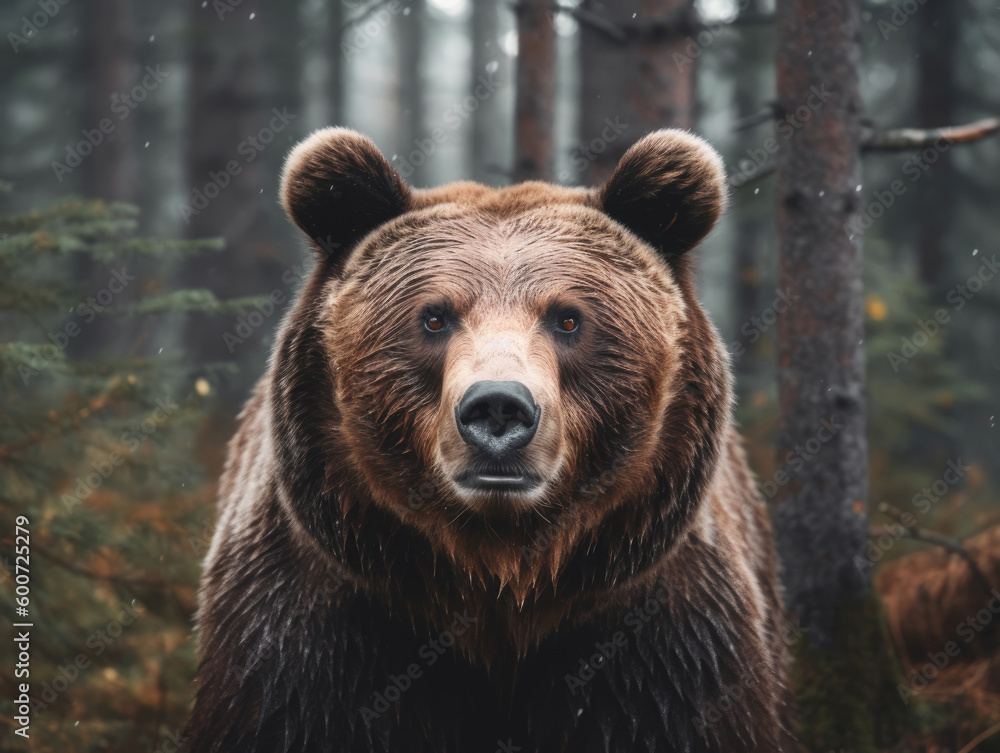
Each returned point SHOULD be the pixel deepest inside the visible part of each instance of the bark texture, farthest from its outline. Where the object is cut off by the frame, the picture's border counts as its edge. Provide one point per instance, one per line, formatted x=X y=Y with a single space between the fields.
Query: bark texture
x=823 y=511
x=844 y=669
x=751 y=220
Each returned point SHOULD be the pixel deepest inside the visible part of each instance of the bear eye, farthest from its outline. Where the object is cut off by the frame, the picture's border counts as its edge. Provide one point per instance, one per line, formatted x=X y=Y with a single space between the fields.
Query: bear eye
x=433 y=323
x=565 y=321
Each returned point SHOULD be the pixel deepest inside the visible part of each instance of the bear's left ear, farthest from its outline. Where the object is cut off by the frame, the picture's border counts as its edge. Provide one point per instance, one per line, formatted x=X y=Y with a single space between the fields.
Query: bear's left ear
x=338 y=187
x=669 y=189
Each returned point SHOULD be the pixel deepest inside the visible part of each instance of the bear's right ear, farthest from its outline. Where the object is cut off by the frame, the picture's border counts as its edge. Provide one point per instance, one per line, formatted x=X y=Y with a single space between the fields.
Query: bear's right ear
x=338 y=187
x=669 y=189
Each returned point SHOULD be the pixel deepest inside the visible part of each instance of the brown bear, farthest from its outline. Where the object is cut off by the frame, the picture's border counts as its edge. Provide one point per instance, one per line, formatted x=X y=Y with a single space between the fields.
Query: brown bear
x=488 y=495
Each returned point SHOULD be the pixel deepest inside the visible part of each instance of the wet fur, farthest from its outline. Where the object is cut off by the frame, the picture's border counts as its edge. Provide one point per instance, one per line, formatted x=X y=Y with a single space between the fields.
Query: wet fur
x=339 y=554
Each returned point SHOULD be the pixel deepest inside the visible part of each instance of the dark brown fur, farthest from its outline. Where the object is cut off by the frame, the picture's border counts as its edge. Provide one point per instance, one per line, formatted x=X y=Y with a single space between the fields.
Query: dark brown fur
x=335 y=483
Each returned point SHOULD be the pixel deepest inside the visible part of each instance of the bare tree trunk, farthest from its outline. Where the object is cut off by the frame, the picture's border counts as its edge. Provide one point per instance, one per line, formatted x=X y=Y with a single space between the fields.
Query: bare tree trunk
x=534 y=153
x=484 y=118
x=843 y=666
x=748 y=214
x=936 y=107
x=409 y=32
x=636 y=73
x=109 y=173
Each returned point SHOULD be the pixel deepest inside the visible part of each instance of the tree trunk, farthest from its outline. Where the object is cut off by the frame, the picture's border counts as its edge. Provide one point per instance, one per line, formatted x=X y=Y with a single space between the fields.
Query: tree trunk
x=936 y=107
x=636 y=73
x=749 y=215
x=409 y=33
x=534 y=114
x=842 y=676
x=109 y=173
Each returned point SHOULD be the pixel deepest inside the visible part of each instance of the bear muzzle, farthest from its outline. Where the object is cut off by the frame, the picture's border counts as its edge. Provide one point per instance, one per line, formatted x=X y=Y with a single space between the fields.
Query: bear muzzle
x=497 y=419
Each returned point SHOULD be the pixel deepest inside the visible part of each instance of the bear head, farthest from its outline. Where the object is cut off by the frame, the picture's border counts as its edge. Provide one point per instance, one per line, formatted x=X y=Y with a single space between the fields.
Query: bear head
x=511 y=390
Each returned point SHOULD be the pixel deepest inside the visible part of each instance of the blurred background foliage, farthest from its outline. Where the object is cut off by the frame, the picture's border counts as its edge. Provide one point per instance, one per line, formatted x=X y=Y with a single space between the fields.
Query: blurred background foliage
x=150 y=380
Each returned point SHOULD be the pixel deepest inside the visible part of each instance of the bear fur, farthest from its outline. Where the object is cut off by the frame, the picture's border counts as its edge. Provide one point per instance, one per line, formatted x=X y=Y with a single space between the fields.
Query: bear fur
x=357 y=598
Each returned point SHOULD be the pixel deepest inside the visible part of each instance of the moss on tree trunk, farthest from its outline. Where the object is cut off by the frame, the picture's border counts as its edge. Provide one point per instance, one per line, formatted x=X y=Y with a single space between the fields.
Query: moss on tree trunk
x=847 y=692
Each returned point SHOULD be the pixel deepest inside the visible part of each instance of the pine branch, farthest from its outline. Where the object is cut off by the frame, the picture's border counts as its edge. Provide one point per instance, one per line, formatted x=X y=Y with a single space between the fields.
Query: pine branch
x=902 y=139
x=894 y=140
x=761 y=116
x=930 y=537
x=12 y=448
x=979 y=738
x=193 y=301
x=69 y=567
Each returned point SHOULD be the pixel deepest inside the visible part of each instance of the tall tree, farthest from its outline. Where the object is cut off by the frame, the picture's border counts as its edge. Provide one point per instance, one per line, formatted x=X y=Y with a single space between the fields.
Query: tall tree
x=822 y=516
x=109 y=173
x=637 y=70
x=536 y=91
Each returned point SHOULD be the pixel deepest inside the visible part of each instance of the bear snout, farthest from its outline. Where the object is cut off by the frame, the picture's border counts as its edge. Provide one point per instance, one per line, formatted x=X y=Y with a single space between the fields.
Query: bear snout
x=497 y=417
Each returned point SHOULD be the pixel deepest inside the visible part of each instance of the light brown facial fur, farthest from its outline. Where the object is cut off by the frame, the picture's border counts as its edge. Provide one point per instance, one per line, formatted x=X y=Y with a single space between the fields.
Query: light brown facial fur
x=502 y=282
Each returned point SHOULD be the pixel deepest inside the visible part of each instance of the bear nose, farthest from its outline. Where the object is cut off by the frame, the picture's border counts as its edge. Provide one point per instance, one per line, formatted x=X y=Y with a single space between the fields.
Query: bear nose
x=497 y=417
